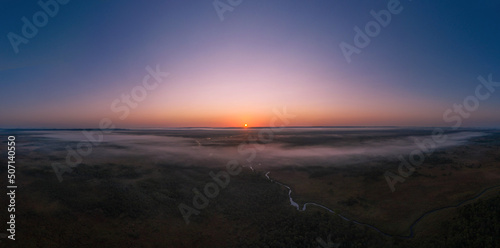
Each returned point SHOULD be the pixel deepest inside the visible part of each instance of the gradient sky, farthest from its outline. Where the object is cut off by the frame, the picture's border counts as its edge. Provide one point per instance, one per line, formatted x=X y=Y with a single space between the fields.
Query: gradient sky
x=264 y=54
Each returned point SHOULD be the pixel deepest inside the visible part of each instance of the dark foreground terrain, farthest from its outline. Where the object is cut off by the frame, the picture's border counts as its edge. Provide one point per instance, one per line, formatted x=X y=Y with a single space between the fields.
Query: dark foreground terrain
x=131 y=189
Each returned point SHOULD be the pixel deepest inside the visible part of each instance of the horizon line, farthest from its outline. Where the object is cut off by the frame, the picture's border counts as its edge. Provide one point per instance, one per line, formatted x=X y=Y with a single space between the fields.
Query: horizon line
x=238 y=127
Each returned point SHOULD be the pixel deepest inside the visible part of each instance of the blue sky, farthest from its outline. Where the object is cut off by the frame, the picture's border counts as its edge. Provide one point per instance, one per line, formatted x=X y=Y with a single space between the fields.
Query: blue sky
x=263 y=54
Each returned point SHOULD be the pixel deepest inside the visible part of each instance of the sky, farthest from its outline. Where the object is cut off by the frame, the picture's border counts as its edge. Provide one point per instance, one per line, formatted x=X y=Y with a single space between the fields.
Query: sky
x=86 y=57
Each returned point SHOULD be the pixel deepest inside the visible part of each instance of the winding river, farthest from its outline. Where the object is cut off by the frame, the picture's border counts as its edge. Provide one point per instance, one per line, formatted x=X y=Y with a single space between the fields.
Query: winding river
x=412 y=226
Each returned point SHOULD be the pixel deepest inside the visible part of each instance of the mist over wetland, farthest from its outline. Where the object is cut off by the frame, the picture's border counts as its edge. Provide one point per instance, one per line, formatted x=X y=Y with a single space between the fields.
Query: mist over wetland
x=238 y=123
x=131 y=186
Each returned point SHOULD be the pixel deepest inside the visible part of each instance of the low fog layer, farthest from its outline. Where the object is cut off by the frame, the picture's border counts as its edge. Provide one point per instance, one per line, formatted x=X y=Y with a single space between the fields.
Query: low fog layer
x=296 y=146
